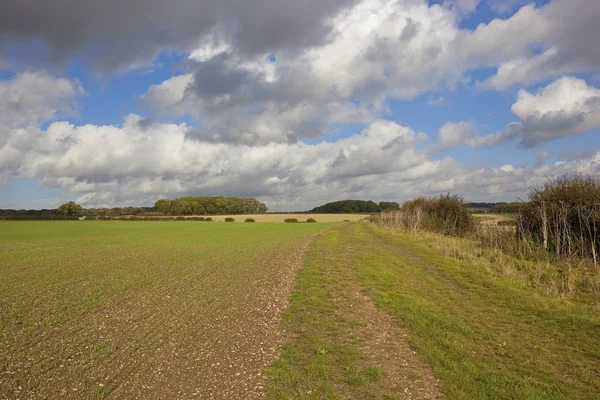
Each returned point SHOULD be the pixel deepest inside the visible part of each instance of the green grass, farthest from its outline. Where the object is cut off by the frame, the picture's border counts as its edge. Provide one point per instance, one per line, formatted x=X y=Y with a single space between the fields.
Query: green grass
x=485 y=336
x=111 y=305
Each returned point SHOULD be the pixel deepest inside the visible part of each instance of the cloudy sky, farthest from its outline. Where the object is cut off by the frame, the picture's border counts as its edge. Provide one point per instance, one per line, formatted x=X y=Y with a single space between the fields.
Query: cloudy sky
x=297 y=103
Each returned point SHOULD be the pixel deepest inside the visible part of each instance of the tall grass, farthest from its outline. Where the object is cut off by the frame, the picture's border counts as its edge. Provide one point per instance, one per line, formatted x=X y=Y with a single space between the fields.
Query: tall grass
x=553 y=243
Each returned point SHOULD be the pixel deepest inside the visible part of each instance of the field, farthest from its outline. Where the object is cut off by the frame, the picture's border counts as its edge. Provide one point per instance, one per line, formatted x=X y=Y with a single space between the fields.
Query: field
x=299 y=217
x=142 y=309
x=154 y=310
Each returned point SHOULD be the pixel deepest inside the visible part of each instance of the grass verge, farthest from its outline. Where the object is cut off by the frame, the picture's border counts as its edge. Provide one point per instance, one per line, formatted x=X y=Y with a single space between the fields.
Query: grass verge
x=486 y=336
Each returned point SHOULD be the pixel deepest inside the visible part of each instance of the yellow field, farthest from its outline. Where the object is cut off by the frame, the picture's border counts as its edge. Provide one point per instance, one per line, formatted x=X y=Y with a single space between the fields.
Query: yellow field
x=299 y=217
x=493 y=219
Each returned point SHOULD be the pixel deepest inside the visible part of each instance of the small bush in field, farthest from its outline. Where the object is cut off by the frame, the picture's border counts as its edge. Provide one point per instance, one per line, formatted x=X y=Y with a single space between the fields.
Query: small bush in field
x=250 y=220
x=229 y=219
x=208 y=219
x=311 y=220
x=290 y=220
x=196 y=218
x=180 y=218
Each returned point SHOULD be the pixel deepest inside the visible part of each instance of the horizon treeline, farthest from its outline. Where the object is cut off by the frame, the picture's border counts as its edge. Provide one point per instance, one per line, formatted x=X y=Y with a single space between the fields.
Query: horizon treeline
x=355 y=206
x=218 y=205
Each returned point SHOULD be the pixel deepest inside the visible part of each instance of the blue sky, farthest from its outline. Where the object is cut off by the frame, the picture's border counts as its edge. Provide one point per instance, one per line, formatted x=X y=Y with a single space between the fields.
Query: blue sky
x=370 y=99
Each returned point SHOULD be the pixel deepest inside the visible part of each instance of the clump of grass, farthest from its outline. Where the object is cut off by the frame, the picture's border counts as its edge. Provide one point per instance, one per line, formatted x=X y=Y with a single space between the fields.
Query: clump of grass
x=311 y=220
x=290 y=220
x=372 y=373
x=250 y=220
x=229 y=219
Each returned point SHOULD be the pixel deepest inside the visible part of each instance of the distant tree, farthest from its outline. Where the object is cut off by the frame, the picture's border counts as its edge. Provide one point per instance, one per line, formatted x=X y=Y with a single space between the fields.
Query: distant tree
x=348 y=206
x=70 y=209
x=163 y=206
x=389 y=205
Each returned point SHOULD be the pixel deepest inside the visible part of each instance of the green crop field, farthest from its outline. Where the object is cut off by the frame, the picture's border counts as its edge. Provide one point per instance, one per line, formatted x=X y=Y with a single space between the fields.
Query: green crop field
x=142 y=309
x=161 y=310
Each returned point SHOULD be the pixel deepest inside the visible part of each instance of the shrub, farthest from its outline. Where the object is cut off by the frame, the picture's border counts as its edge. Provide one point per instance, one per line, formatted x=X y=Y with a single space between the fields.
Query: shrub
x=196 y=218
x=208 y=219
x=311 y=220
x=447 y=214
x=229 y=219
x=290 y=220
x=563 y=215
x=180 y=218
x=250 y=220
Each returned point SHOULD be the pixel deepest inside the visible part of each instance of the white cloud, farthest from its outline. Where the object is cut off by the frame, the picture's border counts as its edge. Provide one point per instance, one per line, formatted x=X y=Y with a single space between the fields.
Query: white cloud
x=137 y=163
x=569 y=45
x=34 y=97
x=566 y=107
x=377 y=49
x=452 y=134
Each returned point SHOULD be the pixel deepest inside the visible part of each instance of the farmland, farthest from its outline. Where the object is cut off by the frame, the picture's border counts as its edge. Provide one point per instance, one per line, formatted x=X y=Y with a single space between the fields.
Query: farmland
x=182 y=309
x=142 y=309
x=299 y=217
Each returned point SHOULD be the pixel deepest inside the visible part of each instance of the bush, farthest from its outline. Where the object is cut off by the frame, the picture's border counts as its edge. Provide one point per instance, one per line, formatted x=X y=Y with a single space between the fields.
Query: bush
x=196 y=218
x=290 y=220
x=208 y=219
x=250 y=220
x=563 y=215
x=229 y=219
x=311 y=220
x=180 y=218
x=447 y=214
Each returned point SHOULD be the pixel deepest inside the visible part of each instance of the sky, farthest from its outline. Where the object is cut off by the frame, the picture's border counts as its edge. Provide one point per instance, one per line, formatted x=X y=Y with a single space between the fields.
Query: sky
x=297 y=103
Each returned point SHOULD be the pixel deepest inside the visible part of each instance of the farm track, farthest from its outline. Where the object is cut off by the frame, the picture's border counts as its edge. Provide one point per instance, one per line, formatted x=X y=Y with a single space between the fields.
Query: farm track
x=340 y=344
x=189 y=320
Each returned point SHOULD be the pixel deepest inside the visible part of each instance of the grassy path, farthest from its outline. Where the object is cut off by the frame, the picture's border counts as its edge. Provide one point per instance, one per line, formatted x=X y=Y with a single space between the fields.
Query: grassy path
x=483 y=336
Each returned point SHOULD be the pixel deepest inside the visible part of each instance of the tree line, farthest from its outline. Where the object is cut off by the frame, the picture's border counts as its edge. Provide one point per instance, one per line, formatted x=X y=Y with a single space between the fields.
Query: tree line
x=218 y=205
x=210 y=206
x=355 y=206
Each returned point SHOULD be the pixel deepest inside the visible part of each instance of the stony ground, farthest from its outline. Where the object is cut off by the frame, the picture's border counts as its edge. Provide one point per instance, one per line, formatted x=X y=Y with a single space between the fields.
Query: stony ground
x=180 y=311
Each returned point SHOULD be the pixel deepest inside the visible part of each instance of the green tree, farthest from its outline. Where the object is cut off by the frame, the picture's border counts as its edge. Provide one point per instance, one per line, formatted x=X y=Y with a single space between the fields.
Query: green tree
x=389 y=205
x=163 y=206
x=70 y=209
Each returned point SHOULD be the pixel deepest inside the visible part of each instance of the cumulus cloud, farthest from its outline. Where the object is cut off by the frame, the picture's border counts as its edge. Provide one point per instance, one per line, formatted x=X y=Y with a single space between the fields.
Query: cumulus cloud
x=452 y=134
x=566 y=107
x=569 y=45
x=69 y=28
x=376 y=49
x=34 y=97
x=138 y=162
